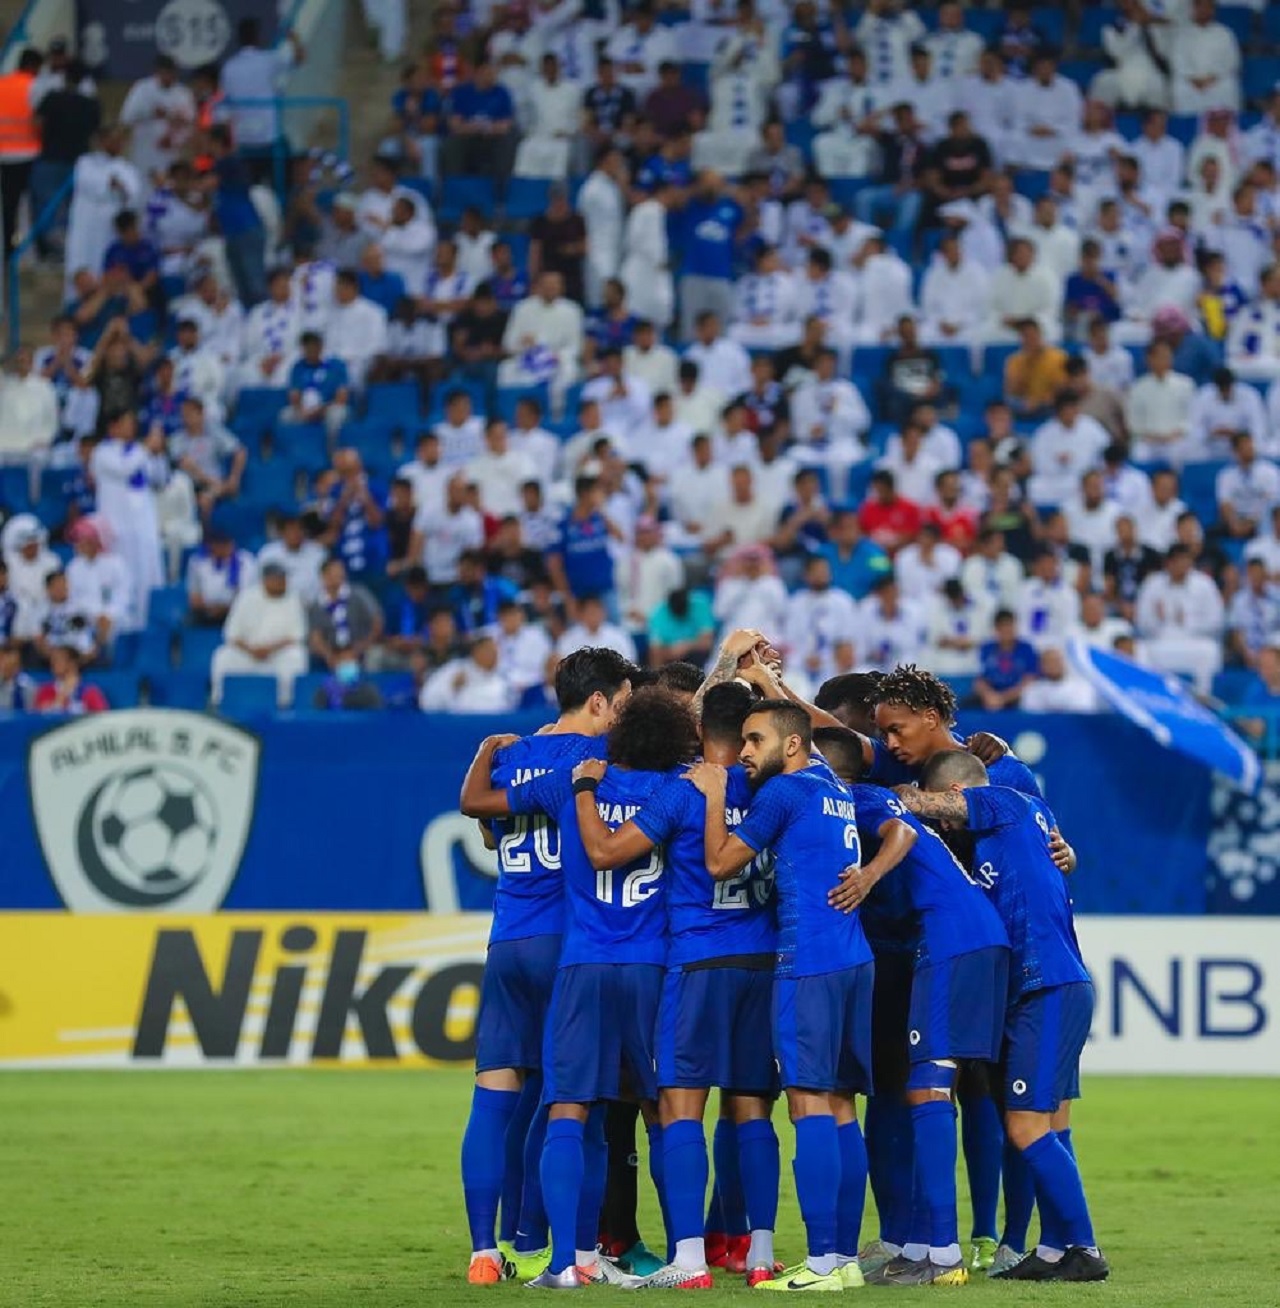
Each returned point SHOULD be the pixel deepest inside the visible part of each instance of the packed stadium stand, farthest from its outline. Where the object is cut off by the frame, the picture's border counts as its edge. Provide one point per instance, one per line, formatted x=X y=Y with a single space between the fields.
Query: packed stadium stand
x=944 y=335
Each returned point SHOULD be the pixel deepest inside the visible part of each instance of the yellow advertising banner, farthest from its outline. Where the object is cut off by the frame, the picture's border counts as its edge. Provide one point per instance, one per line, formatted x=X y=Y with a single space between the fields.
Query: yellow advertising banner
x=239 y=989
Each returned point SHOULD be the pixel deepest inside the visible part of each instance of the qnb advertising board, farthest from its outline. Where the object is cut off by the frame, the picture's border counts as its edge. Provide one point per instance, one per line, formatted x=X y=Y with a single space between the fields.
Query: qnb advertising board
x=181 y=891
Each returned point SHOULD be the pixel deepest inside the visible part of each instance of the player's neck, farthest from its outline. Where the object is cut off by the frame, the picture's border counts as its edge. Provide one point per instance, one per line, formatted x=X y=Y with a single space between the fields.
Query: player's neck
x=578 y=723
x=724 y=756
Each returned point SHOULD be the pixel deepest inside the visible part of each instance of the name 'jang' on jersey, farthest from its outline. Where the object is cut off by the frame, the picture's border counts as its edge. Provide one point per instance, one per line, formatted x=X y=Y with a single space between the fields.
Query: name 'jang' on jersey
x=530 y=896
x=709 y=919
x=614 y=915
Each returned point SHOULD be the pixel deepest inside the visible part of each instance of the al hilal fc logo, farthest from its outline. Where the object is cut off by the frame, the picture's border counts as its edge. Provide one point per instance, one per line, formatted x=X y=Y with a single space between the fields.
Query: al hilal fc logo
x=147 y=809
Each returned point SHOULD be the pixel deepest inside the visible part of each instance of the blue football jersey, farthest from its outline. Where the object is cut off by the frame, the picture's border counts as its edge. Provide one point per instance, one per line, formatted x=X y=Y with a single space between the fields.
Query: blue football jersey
x=1008 y=771
x=707 y=918
x=955 y=916
x=809 y=822
x=529 y=900
x=615 y=915
x=1012 y=861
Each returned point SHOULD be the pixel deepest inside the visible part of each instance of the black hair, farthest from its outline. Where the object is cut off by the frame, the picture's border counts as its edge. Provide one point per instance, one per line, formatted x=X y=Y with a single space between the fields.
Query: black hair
x=790 y=719
x=842 y=748
x=851 y=691
x=680 y=677
x=584 y=672
x=951 y=765
x=654 y=732
x=725 y=707
x=915 y=689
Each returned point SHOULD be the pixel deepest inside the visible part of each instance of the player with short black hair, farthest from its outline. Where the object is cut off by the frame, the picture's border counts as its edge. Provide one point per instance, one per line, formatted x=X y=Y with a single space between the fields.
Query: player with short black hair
x=1051 y=1001
x=502 y=1144
x=713 y=1023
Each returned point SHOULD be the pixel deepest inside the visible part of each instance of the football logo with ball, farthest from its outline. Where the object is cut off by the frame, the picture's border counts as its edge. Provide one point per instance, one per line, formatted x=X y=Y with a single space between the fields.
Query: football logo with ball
x=147 y=835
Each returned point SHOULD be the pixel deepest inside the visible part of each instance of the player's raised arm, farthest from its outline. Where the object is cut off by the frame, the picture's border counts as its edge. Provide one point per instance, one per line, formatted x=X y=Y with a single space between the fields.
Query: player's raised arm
x=605 y=848
x=856 y=881
x=767 y=679
x=479 y=799
x=735 y=646
x=726 y=854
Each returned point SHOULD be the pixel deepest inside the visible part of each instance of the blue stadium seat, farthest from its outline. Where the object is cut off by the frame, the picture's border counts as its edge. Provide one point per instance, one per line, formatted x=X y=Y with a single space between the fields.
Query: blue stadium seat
x=963 y=687
x=1092 y=21
x=1231 y=683
x=271 y=484
x=124 y=651
x=956 y=360
x=422 y=186
x=859 y=481
x=304 y=690
x=154 y=653
x=1198 y=489
x=243 y=520
x=527 y=197
x=372 y=438
x=868 y=364
x=519 y=243
x=179 y=689
x=800 y=133
x=1183 y=127
x=198 y=644
x=696 y=74
x=120 y=686
x=1081 y=71
x=1239 y=19
x=303 y=445
x=844 y=190
x=397 y=400
x=15 y=492
x=248 y=696
x=1129 y=126
x=1031 y=184
x=1261 y=75
x=250 y=432
x=440 y=396
x=509 y=396
x=986 y=22
x=1051 y=22
x=465 y=192
x=994 y=357
x=168 y=607
x=1271 y=25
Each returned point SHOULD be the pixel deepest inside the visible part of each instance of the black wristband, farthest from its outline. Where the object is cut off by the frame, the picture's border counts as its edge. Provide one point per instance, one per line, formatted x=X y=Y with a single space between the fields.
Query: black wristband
x=585 y=785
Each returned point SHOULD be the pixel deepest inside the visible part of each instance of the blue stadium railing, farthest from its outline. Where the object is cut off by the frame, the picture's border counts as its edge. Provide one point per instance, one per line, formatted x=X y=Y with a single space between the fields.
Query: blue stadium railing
x=44 y=221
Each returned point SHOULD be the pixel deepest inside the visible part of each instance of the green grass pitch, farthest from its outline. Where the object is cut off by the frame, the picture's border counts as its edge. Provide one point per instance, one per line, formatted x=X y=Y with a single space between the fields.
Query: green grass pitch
x=339 y=1189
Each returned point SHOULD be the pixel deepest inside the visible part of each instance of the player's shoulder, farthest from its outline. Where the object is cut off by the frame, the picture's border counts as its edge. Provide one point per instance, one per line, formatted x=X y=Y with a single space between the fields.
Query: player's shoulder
x=1010 y=771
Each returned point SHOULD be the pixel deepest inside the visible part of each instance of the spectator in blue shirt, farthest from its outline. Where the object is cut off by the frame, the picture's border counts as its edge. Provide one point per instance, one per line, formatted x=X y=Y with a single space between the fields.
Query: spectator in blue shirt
x=510 y=285
x=482 y=136
x=1263 y=694
x=418 y=112
x=384 y=288
x=1194 y=355
x=1008 y=666
x=237 y=218
x=581 y=561
x=856 y=562
x=1089 y=293
x=355 y=512
x=319 y=387
x=100 y=303
x=710 y=231
x=135 y=256
x=476 y=597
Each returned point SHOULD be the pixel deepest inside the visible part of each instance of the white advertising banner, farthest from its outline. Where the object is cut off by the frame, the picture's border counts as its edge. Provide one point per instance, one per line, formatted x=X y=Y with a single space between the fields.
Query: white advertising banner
x=1192 y=995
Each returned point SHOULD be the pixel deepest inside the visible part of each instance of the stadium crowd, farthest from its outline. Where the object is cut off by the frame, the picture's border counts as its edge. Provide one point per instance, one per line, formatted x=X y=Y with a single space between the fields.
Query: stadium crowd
x=894 y=331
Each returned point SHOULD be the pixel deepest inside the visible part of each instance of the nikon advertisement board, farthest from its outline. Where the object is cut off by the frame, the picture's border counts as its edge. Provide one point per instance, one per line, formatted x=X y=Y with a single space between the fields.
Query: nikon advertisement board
x=244 y=990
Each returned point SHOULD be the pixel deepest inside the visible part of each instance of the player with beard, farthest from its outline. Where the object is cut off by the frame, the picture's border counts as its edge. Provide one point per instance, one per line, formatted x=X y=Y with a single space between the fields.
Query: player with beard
x=503 y=1140
x=822 y=988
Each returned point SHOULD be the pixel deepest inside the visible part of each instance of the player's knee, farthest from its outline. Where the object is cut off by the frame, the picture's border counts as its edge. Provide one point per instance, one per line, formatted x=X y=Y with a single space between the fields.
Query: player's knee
x=1024 y=1129
x=931 y=1080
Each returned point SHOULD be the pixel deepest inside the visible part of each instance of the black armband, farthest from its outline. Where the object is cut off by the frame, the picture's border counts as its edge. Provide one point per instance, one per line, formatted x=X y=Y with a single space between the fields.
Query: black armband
x=585 y=785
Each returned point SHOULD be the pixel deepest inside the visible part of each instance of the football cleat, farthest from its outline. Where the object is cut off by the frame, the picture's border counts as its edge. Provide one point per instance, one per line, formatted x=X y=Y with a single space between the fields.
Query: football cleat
x=1004 y=1259
x=907 y=1271
x=487 y=1270
x=1030 y=1267
x=851 y=1275
x=873 y=1256
x=739 y=1248
x=549 y=1280
x=717 y=1247
x=672 y=1277
x=757 y=1274
x=530 y=1264
x=605 y=1272
x=1081 y=1264
x=982 y=1253
x=639 y=1260
x=800 y=1279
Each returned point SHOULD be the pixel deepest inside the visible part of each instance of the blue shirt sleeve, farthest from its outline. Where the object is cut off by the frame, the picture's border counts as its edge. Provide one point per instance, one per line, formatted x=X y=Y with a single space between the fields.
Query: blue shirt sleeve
x=993 y=808
x=768 y=817
x=875 y=806
x=667 y=811
x=1011 y=771
x=549 y=793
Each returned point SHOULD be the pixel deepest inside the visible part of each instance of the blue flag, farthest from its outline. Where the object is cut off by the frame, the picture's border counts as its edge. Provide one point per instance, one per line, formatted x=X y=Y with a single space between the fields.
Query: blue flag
x=1162 y=705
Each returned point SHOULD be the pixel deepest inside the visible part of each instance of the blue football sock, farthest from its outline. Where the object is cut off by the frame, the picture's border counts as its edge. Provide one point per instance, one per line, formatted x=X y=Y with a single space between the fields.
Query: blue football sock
x=1059 y=1192
x=657 y=1174
x=1019 y=1199
x=715 y=1210
x=853 y=1189
x=484 y=1156
x=562 y=1172
x=1051 y=1235
x=761 y=1164
x=733 y=1203
x=532 y=1232
x=513 y=1166
x=934 y=1124
x=817 y=1172
x=595 y=1175
x=983 y=1137
x=685 y=1173
x=890 y=1164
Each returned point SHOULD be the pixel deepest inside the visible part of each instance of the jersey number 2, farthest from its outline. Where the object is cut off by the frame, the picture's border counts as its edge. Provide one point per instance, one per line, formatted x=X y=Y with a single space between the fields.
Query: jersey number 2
x=637 y=885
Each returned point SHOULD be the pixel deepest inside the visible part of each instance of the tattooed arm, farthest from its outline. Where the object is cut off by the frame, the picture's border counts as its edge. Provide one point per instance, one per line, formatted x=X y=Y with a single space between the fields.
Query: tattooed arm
x=735 y=645
x=935 y=805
